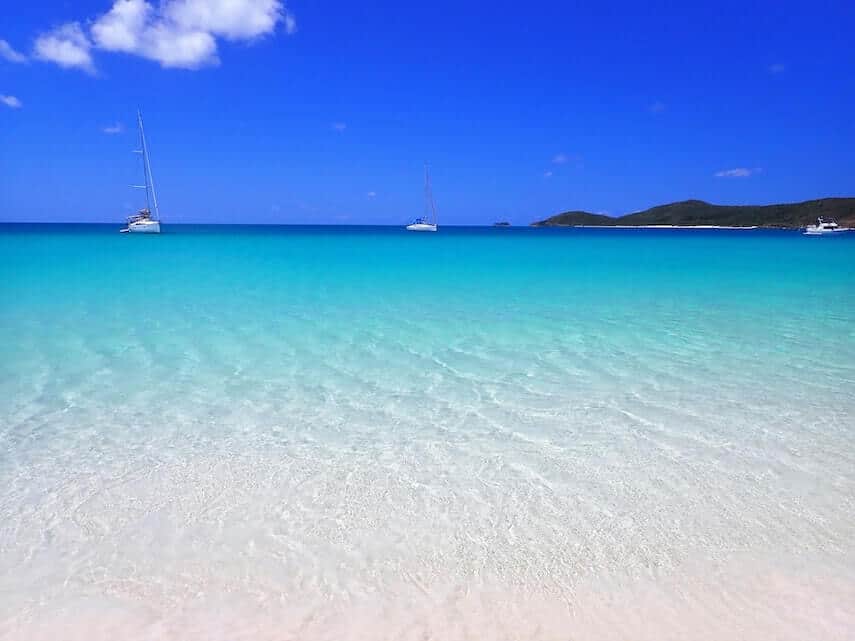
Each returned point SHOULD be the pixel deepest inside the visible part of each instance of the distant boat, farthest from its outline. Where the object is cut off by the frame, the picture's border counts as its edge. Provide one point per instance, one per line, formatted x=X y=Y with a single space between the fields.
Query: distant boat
x=424 y=223
x=502 y=223
x=144 y=222
x=824 y=226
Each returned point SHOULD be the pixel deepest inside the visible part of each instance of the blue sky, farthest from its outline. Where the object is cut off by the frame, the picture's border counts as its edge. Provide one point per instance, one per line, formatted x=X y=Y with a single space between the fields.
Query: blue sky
x=323 y=112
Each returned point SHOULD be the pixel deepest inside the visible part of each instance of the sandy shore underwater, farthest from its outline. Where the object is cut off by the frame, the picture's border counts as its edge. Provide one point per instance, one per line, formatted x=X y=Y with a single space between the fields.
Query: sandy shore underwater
x=632 y=435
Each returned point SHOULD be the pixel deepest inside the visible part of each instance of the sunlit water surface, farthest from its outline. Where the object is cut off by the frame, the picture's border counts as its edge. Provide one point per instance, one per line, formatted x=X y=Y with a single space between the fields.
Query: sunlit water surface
x=358 y=433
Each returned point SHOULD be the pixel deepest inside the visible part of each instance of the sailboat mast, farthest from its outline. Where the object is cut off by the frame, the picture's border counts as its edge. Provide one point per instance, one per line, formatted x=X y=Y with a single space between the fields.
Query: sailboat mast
x=149 y=179
x=429 y=195
x=144 y=168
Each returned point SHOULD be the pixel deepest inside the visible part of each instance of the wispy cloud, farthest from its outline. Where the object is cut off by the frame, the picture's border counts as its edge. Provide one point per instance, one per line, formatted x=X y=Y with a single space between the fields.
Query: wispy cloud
x=657 y=107
x=339 y=126
x=777 y=68
x=113 y=129
x=67 y=46
x=174 y=33
x=290 y=23
x=11 y=101
x=547 y=174
x=738 y=172
x=8 y=52
x=371 y=194
x=564 y=158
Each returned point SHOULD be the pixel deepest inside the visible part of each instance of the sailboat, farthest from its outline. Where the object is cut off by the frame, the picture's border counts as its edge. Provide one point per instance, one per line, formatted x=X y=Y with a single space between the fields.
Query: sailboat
x=424 y=223
x=144 y=221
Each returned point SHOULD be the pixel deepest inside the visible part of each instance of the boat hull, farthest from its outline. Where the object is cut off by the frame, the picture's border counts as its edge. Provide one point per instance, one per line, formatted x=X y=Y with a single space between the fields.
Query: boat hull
x=145 y=227
x=421 y=227
x=825 y=232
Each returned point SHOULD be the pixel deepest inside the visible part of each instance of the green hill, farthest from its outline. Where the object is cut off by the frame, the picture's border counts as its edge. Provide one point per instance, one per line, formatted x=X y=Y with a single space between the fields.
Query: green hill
x=698 y=212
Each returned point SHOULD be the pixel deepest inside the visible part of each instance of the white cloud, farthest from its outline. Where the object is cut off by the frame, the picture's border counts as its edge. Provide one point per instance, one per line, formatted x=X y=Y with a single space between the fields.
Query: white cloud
x=777 y=68
x=67 y=46
x=174 y=33
x=120 y=29
x=11 y=102
x=738 y=172
x=560 y=159
x=133 y=26
x=173 y=47
x=113 y=129
x=371 y=194
x=9 y=53
x=231 y=19
x=547 y=174
x=339 y=126
x=657 y=107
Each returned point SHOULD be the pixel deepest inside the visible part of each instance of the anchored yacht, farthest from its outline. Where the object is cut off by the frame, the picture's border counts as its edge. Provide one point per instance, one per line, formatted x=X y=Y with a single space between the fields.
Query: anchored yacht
x=144 y=221
x=424 y=223
x=823 y=227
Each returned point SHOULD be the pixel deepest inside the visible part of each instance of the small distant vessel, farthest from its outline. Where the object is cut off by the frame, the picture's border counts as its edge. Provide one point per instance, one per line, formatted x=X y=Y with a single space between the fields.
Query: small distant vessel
x=823 y=227
x=502 y=223
x=144 y=222
x=424 y=223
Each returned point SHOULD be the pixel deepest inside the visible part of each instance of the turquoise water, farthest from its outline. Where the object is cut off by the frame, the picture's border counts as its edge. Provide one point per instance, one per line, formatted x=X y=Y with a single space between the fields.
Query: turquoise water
x=321 y=432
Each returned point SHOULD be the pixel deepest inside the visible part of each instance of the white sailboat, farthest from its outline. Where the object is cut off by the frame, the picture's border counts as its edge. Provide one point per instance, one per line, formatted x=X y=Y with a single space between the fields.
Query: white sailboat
x=144 y=221
x=424 y=223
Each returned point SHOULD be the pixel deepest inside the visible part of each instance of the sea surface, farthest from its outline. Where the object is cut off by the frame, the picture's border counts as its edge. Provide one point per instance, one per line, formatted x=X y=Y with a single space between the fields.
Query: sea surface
x=334 y=433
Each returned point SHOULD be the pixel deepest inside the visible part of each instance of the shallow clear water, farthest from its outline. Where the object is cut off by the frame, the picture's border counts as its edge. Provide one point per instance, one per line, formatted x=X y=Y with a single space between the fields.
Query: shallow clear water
x=359 y=433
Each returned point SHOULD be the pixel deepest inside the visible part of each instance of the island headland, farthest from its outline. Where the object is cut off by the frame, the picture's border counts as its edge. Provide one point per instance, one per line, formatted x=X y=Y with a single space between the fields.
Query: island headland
x=697 y=213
